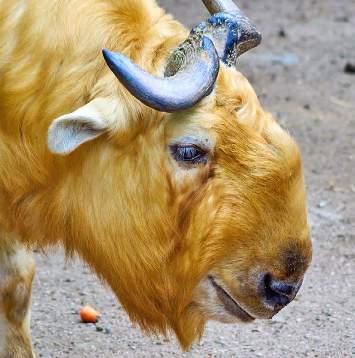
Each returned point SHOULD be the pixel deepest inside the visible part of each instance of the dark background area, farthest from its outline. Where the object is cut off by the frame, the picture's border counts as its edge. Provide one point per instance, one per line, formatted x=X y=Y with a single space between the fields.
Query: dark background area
x=298 y=73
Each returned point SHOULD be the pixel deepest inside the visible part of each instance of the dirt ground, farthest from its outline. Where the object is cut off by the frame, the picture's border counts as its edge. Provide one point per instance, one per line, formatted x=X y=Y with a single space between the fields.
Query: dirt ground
x=298 y=72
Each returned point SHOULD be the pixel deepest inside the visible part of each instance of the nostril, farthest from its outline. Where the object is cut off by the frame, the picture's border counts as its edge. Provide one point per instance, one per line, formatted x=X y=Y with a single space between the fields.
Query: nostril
x=272 y=295
x=283 y=288
x=267 y=283
x=278 y=293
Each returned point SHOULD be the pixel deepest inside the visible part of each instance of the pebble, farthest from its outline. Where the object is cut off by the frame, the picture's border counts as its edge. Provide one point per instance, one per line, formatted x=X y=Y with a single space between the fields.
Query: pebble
x=282 y=33
x=219 y=342
x=99 y=329
x=107 y=331
x=278 y=319
x=322 y=204
x=350 y=68
x=342 y=19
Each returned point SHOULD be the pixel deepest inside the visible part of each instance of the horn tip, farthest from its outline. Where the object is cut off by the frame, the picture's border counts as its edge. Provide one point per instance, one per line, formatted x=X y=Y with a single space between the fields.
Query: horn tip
x=114 y=60
x=107 y=54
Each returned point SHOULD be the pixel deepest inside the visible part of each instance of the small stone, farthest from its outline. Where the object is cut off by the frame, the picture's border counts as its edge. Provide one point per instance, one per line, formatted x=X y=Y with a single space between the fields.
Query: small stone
x=219 y=342
x=322 y=204
x=350 y=68
x=278 y=319
x=307 y=107
x=342 y=19
x=282 y=33
x=99 y=329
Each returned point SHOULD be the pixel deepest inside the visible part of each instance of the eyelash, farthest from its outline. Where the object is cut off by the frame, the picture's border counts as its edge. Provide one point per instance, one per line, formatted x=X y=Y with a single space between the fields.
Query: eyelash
x=190 y=154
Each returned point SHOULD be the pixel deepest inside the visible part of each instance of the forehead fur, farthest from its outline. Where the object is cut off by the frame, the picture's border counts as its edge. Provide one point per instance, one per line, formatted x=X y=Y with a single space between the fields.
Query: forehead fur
x=248 y=135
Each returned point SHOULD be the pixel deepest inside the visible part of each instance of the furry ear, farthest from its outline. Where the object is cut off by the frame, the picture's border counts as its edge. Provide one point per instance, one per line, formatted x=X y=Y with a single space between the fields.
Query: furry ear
x=69 y=131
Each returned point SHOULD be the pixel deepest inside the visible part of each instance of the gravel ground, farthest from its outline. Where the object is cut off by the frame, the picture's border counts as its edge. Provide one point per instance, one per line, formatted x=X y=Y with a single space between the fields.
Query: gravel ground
x=299 y=75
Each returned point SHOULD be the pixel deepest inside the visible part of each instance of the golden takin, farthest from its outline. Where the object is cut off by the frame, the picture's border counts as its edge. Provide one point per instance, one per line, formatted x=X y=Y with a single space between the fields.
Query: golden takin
x=155 y=163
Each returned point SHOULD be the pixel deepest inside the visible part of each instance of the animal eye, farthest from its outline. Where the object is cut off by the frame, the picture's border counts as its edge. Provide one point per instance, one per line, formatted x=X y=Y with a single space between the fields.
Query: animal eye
x=188 y=154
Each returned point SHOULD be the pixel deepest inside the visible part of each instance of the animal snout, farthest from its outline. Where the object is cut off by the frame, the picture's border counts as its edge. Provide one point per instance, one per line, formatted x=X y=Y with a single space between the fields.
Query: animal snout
x=276 y=293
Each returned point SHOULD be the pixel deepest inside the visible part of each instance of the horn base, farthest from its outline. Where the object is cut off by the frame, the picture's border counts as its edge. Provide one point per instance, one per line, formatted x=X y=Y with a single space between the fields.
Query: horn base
x=232 y=35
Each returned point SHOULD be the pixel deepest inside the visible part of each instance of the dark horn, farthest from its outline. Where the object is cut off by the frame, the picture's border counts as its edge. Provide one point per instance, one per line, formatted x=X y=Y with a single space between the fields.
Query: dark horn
x=190 y=76
x=230 y=30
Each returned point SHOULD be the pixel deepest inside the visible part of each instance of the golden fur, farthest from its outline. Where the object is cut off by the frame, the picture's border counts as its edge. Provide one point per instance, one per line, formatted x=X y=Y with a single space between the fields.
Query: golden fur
x=16 y=274
x=116 y=201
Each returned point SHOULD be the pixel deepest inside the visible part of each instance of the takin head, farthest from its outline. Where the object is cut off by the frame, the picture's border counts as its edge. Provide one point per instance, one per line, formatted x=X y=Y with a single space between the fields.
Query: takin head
x=197 y=205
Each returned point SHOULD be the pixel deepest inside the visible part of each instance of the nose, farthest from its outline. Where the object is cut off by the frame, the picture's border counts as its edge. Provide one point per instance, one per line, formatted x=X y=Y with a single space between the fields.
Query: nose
x=277 y=293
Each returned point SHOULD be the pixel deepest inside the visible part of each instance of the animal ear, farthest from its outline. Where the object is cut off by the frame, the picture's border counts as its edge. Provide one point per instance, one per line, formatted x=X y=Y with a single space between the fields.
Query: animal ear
x=69 y=131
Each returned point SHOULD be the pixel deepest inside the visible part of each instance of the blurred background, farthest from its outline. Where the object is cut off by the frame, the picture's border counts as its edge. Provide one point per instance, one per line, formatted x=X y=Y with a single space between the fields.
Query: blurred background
x=304 y=74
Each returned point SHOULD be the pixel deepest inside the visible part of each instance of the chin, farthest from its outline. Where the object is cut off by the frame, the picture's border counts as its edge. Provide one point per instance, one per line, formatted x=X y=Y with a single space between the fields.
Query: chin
x=218 y=304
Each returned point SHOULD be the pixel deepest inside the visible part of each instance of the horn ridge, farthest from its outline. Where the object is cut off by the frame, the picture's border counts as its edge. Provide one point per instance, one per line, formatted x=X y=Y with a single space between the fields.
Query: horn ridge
x=215 y=6
x=230 y=30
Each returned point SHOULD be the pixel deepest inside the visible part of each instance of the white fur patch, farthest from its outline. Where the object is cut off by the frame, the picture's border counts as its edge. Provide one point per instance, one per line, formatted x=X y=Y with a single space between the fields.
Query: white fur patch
x=212 y=305
x=18 y=12
x=88 y=122
x=72 y=130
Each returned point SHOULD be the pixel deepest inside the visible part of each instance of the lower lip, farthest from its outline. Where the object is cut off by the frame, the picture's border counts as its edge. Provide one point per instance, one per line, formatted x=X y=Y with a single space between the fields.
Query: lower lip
x=230 y=305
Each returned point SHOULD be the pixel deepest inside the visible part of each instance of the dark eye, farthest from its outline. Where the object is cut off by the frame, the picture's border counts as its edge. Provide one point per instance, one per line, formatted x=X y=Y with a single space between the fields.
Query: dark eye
x=188 y=153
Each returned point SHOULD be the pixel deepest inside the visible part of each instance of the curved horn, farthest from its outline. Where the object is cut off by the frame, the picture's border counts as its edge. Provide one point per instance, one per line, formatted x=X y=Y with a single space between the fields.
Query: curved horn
x=230 y=30
x=189 y=77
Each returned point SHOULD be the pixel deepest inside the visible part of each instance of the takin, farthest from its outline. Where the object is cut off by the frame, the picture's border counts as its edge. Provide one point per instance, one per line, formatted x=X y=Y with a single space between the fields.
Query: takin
x=154 y=163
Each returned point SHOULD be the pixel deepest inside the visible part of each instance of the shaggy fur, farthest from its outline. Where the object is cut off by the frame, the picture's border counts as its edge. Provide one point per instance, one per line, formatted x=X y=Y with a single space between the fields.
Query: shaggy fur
x=121 y=202
x=16 y=275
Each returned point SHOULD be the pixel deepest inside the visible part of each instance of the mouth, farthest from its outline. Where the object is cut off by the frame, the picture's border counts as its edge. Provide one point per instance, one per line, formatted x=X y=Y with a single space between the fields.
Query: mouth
x=229 y=303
